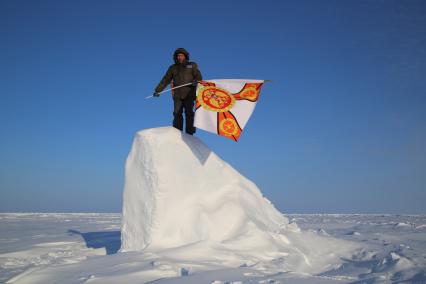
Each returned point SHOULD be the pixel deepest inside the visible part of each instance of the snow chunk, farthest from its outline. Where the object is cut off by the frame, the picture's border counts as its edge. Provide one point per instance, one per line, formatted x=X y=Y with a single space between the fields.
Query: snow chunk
x=182 y=201
x=178 y=192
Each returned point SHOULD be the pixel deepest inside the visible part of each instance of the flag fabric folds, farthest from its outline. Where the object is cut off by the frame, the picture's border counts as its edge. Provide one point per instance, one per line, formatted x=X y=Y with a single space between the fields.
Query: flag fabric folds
x=224 y=106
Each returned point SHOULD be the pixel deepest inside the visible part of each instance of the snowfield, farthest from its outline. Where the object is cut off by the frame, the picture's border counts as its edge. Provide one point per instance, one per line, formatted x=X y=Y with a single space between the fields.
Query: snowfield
x=189 y=217
x=83 y=248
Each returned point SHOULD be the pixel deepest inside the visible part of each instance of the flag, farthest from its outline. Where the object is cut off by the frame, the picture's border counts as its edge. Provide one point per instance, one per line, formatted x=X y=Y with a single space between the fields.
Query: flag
x=224 y=106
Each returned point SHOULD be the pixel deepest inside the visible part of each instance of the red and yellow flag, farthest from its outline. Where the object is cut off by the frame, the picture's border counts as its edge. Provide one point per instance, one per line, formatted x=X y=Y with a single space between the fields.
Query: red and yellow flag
x=224 y=106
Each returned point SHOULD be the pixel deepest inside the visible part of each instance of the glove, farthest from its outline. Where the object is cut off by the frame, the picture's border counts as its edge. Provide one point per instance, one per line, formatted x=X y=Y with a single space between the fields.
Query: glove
x=156 y=94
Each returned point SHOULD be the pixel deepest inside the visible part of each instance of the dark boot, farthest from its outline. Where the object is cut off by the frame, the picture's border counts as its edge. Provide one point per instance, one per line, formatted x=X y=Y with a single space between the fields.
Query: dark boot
x=178 y=121
x=189 y=115
x=177 y=114
x=189 y=123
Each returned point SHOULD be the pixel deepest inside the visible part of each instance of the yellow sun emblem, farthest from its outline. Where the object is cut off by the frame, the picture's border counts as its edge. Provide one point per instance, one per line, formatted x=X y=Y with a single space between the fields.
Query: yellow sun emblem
x=249 y=93
x=215 y=99
x=229 y=126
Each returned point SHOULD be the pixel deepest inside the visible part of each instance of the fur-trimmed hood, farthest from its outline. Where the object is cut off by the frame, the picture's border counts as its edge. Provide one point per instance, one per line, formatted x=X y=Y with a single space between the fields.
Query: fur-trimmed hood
x=180 y=50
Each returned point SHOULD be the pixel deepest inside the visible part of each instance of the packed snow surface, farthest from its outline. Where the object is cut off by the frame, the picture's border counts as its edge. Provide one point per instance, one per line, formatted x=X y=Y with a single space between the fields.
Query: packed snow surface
x=83 y=248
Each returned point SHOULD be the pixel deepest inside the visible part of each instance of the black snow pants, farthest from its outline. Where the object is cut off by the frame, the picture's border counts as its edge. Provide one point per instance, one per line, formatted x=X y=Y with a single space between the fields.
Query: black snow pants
x=180 y=105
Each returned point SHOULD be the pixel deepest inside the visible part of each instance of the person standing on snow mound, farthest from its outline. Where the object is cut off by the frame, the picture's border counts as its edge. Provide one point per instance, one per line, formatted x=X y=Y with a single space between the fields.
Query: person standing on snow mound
x=180 y=73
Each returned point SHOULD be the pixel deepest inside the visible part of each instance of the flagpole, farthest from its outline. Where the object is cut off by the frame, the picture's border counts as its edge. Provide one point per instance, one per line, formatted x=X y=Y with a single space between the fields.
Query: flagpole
x=180 y=86
x=177 y=87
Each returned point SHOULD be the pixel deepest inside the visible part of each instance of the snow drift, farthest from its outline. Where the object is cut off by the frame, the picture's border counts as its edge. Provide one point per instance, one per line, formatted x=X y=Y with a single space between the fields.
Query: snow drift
x=181 y=199
x=178 y=192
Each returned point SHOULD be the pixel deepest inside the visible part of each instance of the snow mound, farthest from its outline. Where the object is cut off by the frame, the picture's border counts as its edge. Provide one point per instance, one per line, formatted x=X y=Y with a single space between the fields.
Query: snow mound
x=182 y=201
x=178 y=192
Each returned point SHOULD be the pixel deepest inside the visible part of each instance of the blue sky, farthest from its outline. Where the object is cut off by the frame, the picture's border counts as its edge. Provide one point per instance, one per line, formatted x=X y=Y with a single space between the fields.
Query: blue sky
x=341 y=129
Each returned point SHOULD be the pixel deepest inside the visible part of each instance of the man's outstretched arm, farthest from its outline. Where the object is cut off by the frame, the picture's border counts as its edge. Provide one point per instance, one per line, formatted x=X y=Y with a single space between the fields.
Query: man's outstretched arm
x=165 y=81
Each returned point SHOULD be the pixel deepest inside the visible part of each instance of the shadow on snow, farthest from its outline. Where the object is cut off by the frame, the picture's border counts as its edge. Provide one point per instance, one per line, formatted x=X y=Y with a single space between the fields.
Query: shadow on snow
x=110 y=240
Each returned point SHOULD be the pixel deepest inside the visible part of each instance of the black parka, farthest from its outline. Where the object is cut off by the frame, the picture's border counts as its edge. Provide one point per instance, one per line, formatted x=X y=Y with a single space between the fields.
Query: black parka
x=179 y=74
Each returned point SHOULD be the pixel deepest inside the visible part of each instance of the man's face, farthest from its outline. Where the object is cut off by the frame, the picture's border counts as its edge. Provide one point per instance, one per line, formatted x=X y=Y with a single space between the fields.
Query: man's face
x=181 y=57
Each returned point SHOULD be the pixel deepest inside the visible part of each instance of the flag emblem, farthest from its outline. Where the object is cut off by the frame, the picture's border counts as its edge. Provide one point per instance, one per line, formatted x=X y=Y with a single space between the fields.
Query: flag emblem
x=215 y=99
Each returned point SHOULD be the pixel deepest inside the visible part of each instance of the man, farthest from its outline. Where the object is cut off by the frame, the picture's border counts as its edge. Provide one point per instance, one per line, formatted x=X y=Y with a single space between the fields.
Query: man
x=182 y=72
